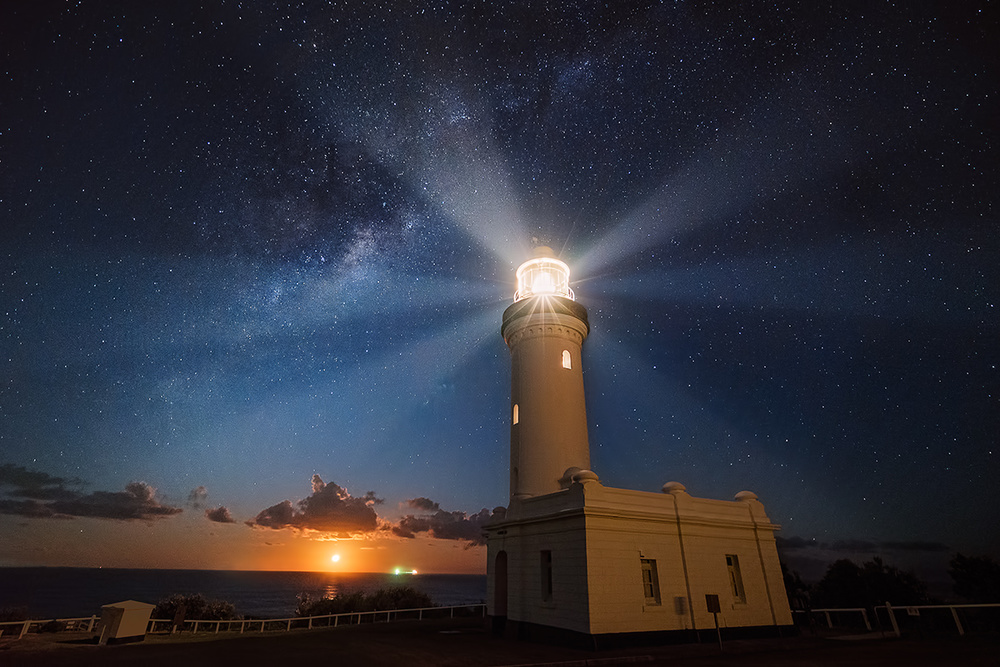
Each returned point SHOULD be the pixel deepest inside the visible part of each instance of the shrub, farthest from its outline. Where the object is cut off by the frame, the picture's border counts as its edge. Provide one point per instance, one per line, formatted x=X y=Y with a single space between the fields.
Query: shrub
x=13 y=614
x=397 y=597
x=196 y=608
x=53 y=626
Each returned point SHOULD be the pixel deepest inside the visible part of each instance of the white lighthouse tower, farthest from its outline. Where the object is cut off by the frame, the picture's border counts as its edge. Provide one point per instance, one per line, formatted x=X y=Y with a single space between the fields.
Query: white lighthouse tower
x=573 y=560
x=545 y=329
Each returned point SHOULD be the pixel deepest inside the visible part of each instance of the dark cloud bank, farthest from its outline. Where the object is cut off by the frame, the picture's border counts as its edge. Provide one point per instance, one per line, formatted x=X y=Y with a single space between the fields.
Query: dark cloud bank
x=798 y=544
x=35 y=494
x=331 y=509
x=328 y=509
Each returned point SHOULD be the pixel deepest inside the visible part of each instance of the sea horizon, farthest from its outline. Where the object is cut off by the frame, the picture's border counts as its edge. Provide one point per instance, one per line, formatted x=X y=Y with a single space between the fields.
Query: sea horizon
x=223 y=569
x=72 y=592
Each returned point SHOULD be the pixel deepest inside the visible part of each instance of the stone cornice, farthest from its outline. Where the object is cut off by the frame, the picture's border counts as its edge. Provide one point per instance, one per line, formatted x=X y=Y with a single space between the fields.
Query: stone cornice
x=545 y=328
x=647 y=517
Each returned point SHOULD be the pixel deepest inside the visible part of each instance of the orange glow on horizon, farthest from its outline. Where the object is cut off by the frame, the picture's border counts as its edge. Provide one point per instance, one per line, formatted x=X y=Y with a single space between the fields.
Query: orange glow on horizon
x=196 y=545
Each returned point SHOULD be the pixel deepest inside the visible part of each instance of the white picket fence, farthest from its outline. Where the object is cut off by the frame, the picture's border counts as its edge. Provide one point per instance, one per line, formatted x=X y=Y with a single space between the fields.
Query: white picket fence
x=89 y=623
x=891 y=612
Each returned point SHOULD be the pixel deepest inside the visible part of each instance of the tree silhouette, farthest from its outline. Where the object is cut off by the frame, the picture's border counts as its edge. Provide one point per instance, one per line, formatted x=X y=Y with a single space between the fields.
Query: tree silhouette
x=796 y=589
x=873 y=583
x=976 y=578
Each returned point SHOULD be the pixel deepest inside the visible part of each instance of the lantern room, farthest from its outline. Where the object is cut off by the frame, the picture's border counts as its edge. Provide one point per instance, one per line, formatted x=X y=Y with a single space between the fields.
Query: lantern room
x=543 y=276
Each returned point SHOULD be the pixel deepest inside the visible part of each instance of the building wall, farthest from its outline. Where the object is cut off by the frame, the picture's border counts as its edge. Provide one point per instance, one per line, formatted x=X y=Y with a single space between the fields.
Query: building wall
x=624 y=527
x=552 y=526
x=599 y=536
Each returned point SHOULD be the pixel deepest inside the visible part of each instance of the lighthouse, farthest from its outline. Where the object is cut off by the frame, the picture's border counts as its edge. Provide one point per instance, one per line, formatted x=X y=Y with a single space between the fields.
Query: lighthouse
x=574 y=561
x=545 y=329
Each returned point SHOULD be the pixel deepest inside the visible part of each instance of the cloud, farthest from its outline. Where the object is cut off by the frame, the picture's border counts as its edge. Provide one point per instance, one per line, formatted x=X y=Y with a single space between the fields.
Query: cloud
x=425 y=504
x=329 y=509
x=933 y=547
x=25 y=483
x=137 y=501
x=793 y=543
x=443 y=525
x=35 y=494
x=197 y=497
x=220 y=515
x=853 y=545
x=27 y=508
x=332 y=510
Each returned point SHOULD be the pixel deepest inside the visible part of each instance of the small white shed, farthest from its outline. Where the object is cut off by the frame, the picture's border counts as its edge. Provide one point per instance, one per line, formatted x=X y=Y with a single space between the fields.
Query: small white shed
x=124 y=621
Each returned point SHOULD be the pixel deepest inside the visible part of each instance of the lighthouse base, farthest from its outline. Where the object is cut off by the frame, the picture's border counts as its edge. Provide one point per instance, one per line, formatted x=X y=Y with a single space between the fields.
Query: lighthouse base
x=593 y=565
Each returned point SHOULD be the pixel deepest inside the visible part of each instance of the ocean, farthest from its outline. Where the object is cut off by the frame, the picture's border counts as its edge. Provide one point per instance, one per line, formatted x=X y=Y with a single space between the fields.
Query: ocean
x=64 y=592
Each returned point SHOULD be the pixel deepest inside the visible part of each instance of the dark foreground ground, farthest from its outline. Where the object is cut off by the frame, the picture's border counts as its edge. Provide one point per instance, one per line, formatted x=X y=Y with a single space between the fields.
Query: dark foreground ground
x=466 y=642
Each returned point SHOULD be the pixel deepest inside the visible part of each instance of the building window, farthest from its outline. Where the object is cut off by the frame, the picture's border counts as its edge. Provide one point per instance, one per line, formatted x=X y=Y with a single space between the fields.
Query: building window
x=514 y=413
x=546 y=570
x=650 y=582
x=735 y=578
x=567 y=360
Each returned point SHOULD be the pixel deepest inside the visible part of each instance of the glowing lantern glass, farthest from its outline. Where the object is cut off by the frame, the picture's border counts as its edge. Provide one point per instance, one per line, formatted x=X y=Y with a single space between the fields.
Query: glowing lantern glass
x=543 y=276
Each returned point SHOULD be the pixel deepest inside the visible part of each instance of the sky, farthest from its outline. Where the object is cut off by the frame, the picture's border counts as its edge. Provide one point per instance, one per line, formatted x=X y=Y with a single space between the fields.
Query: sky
x=254 y=258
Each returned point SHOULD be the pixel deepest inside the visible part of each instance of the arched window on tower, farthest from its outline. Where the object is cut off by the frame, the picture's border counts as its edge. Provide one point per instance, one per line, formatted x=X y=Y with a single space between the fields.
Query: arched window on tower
x=567 y=360
x=514 y=413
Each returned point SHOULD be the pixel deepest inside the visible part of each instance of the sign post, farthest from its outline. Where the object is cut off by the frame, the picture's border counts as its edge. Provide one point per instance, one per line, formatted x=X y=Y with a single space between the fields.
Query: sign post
x=713 y=606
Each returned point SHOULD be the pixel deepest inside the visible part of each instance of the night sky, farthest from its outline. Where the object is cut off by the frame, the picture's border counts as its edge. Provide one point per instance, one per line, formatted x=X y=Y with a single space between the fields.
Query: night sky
x=253 y=262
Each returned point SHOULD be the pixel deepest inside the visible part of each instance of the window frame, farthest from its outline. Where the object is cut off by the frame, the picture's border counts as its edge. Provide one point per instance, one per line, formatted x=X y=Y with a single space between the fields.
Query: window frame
x=736 y=586
x=650 y=583
x=545 y=572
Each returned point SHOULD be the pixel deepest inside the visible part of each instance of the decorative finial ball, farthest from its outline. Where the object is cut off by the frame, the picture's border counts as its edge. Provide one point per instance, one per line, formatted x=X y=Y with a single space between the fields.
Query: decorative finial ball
x=585 y=476
x=543 y=251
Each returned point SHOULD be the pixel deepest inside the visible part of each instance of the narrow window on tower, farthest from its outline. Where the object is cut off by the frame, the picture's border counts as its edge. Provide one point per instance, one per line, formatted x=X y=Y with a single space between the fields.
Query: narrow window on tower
x=567 y=360
x=546 y=571
x=735 y=578
x=514 y=414
x=650 y=582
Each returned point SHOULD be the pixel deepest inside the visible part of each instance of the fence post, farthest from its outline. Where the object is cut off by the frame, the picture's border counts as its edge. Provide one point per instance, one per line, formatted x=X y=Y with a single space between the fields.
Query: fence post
x=892 y=618
x=829 y=621
x=864 y=615
x=90 y=626
x=958 y=624
x=24 y=629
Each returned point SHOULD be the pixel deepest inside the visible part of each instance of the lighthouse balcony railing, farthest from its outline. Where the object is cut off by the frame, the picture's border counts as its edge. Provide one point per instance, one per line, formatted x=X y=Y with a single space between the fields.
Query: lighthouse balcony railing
x=522 y=294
